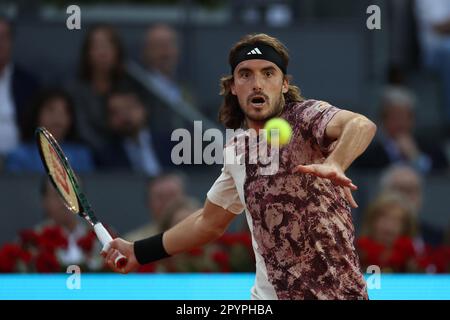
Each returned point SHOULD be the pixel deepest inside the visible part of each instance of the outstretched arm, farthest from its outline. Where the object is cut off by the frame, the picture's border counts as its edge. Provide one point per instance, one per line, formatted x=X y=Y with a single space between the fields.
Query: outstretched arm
x=201 y=227
x=353 y=133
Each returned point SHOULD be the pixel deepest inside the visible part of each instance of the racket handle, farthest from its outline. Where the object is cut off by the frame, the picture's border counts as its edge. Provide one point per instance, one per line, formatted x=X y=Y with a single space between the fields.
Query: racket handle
x=105 y=238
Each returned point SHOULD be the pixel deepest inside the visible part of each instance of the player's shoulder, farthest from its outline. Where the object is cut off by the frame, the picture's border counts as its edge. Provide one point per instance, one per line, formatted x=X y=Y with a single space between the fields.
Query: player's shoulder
x=306 y=109
x=310 y=104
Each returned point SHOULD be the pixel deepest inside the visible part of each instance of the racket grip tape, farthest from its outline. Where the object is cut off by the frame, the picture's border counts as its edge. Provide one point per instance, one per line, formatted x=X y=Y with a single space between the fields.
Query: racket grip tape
x=105 y=238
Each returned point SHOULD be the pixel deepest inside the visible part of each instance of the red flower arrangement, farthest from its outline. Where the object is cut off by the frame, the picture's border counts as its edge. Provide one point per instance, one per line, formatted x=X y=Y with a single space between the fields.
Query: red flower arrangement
x=402 y=256
x=46 y=262
x=11 y=255
x=87 y=242
x=43 y=250
x=233 y=252
x=52 y=238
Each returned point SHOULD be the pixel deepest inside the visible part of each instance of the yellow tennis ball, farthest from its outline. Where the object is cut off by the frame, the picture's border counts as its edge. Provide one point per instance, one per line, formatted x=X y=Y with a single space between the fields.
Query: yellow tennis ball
x=281 y=128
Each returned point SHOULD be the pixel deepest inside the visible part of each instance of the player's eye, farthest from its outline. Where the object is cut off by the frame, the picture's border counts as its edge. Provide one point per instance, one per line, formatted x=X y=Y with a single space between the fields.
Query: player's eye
x=269 y=73
x=245 y=75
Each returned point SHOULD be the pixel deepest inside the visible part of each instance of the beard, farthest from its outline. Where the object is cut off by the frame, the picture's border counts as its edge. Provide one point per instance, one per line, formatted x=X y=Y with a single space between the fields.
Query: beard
x=127 y=130
x=274 y=111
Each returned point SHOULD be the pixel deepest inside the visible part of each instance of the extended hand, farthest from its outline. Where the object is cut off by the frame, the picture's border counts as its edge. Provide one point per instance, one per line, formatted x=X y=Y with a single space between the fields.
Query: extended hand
x=333 y=173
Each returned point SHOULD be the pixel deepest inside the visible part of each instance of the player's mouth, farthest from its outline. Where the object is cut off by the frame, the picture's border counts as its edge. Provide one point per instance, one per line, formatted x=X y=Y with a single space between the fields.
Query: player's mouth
x=258 y=101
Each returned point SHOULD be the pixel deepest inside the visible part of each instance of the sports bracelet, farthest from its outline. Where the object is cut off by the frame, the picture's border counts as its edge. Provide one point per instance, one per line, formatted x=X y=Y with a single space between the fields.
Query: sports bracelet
x=150 y=249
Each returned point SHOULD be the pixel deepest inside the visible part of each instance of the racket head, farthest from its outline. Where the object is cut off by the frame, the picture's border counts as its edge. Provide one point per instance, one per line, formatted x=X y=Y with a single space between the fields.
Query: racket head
x=59 y=170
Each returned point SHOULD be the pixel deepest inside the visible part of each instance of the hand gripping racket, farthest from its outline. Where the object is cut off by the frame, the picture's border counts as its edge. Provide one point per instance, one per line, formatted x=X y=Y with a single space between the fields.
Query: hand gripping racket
x=65 y=182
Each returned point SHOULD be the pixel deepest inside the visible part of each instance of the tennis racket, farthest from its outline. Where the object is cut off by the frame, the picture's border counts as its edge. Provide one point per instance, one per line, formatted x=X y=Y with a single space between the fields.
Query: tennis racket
x=65 y=182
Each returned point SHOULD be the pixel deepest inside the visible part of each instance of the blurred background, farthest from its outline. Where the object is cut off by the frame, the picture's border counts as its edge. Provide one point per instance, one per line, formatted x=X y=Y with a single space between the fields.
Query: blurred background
x=113 y=91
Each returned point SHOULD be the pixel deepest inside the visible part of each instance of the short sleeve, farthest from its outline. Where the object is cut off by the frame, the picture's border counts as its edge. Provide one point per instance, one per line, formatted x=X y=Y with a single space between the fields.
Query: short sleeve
x=224 y=193
x=317 y=117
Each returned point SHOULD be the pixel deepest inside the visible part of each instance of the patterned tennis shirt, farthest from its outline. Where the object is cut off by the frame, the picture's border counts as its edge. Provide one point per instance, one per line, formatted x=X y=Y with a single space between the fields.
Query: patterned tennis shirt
x=301 y=225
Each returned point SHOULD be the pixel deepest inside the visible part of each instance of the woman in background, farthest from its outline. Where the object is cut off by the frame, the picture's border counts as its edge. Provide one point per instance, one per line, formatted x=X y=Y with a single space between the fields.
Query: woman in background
x=101 y=71
x=53 y=109
x=387 y=237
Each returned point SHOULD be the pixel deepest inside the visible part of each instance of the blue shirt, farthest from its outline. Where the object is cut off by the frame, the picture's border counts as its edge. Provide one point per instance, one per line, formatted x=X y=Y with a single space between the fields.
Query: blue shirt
x=26 y=159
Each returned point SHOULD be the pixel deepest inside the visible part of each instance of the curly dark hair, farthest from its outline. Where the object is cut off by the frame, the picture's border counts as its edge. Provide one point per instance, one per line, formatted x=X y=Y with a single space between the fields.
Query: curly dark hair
x=230 y=113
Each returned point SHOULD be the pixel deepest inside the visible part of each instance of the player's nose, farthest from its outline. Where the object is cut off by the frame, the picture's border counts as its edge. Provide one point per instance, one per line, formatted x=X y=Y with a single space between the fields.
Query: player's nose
x=257 y=84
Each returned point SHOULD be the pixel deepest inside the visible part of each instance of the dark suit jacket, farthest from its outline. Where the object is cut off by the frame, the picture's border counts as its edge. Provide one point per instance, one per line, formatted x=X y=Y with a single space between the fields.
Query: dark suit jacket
x=24 y=87
x=114 y=155
x=376 y=156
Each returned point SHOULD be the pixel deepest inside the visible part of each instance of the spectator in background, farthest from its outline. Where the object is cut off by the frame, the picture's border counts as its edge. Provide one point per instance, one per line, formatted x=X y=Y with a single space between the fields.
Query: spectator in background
x=62 y=239
x=434 y=37
x=101 y=71
x=176 y=211
x=395 y=142
x=56 y=214
x=407 y=182
x=134 y=144
x=53 y=109
x=162 y=191
x=170 y=99
x=388 y=229
x=17 y=86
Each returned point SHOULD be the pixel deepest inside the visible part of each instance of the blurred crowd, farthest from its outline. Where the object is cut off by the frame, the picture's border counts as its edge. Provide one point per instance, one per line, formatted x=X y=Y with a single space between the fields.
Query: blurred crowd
x=118 y=115
x=104 y=110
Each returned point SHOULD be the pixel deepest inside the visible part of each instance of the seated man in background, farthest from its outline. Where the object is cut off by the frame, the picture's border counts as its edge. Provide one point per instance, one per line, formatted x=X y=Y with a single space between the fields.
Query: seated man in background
x=407 y=182
x=395 y=142
x=162 y=191
x=61 y=240
x=17 y=87
x=52 y=109
x=134 y=147
x=170 y=97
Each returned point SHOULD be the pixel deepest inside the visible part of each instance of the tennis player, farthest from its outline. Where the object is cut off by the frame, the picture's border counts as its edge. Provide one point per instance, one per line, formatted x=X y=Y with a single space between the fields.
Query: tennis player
x=299 y=217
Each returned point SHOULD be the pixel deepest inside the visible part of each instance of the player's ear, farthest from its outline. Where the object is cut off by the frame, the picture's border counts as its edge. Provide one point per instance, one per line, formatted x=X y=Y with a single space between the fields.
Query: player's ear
x=285 y=87
x=232 y=87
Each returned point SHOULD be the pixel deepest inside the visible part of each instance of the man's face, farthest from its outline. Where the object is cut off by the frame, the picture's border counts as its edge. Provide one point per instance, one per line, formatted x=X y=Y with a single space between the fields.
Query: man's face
x=55 y=210
x=161 y=49
x=259 y=86
x=126 y=114
x=162 y=193
x=408 y=184
x=398 y=120
x=5 y=43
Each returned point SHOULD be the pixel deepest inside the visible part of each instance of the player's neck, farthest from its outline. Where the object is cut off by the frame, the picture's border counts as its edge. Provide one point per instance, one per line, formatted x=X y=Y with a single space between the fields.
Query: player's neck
x=255 y=125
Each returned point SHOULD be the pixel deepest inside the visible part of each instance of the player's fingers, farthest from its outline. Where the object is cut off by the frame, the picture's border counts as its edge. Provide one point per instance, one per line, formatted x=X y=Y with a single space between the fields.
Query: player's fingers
x=112 y=260
x=344 y=181
x=111 y=265
x=110 y=252
x=350 y=199
x=114 y=256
